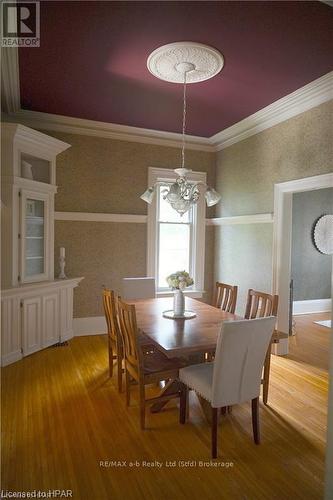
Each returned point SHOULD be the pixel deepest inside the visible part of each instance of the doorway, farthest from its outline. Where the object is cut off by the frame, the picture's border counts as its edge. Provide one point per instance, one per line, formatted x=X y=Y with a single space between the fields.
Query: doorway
x=282 y=240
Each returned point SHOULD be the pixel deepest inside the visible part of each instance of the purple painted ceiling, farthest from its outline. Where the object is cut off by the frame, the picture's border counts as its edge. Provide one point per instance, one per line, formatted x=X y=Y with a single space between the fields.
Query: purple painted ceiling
x=92 y=60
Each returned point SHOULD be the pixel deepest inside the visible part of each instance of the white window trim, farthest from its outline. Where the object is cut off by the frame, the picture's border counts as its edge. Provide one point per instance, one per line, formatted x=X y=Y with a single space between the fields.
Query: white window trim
x=166 y=174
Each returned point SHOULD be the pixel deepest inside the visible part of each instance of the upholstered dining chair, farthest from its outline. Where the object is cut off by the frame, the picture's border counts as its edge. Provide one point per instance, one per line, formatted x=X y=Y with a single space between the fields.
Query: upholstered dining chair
x=235 y=374
x=143 y=365
x=138 y=288
x=260 y=305
x=225 y=297
x=114 y=338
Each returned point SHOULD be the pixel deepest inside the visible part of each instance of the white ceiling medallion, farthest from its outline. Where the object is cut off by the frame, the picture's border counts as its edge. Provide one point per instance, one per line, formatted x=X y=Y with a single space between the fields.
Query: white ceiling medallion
x=199 y=62
x=323 y=234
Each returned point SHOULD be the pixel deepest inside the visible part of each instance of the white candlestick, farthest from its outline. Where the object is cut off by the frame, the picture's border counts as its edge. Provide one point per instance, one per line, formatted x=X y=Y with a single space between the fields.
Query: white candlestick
x=62 y=263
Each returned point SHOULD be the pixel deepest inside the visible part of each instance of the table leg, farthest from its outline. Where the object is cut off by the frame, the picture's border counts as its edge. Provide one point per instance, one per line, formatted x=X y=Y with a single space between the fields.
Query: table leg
x=267 y=366
x=171 y=387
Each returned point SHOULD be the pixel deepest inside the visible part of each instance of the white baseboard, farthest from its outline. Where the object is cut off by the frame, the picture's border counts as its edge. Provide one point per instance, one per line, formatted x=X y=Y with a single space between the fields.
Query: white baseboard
x=8 y=359
x=311 y=306
x=95 y=325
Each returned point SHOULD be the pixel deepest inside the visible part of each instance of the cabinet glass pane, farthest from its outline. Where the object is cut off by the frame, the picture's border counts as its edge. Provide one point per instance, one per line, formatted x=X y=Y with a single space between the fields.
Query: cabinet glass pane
x=34 y=239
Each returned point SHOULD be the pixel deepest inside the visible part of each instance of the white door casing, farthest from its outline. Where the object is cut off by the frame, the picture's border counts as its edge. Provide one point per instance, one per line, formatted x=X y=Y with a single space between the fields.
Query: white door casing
x=282 y=240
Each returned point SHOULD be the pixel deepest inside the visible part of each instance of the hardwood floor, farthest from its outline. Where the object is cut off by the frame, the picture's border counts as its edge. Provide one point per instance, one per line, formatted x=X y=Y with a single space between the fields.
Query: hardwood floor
x=62 y=416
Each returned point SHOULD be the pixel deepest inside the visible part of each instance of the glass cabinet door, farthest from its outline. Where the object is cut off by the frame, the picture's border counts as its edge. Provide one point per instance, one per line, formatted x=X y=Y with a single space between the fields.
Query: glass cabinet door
x=34 y=237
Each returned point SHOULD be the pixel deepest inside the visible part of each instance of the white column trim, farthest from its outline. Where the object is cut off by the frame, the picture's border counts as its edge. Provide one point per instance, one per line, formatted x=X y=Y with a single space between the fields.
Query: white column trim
x=10 y=80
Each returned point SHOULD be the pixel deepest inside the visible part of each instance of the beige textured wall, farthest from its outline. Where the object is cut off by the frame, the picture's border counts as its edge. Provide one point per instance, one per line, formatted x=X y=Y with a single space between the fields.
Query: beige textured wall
x=103 y=253
x=103 y=175
x=245 y=177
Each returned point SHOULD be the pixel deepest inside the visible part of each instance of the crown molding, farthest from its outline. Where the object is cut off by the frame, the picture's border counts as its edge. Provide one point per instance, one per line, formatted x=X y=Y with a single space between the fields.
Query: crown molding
x=303 y=99
x=26 y=135
x=60 y=123
x=10 y=80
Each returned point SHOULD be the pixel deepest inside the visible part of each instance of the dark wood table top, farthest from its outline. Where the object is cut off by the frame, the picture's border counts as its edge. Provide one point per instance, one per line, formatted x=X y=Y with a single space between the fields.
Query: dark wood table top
x=180 y=337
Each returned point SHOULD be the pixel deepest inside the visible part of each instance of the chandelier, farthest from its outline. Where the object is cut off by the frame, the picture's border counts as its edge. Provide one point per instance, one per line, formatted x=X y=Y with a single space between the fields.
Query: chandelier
x=184 y=62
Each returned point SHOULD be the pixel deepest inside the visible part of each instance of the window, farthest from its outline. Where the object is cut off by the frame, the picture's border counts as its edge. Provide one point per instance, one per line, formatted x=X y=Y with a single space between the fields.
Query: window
x=175 y=243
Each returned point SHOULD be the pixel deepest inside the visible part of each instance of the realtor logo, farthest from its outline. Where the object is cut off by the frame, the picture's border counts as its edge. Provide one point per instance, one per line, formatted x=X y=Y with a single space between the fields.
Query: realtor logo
x=20 y=24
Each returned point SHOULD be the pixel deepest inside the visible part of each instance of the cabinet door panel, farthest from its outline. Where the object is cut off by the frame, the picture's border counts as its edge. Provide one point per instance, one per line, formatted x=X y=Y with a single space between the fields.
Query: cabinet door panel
x=10 y=330
x=35 y=221
x=31 y=325
x=50 y=331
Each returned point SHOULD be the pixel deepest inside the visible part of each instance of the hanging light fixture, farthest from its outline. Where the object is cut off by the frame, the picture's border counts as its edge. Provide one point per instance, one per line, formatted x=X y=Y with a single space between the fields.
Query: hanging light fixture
x=184 y=62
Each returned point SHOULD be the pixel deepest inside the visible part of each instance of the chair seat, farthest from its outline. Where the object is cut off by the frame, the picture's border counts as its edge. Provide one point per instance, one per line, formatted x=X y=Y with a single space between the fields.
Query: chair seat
x=199 y=378
x=155 y=361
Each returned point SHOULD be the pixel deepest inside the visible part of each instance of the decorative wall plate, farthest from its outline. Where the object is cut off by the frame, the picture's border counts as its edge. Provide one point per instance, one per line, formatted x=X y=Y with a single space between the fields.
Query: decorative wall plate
x=170 y=62
x=323 y=234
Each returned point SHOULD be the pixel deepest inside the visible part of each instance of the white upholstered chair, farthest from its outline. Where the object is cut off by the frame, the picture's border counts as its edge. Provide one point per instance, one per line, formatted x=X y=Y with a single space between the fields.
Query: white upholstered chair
x=234 y=376
x=138 y=288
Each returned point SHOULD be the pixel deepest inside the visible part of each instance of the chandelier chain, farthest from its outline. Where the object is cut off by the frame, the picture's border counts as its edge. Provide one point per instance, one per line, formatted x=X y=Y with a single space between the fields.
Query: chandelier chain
x=184 y=122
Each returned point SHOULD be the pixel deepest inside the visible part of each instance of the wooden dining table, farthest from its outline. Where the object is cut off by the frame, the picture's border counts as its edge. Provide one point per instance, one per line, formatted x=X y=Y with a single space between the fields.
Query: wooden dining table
x=180 y=337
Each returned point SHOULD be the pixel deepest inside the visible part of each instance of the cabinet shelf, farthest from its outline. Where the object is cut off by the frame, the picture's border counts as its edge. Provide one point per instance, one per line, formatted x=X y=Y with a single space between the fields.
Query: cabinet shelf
x=34 y=220
x=34 y=237
x=35 y=257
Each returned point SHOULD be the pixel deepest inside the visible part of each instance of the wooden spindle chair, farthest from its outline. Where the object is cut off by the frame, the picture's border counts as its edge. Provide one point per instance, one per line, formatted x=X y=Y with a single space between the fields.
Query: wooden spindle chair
x=146 y=367
x=225 y=297
x=261 y=305
x=114 y=337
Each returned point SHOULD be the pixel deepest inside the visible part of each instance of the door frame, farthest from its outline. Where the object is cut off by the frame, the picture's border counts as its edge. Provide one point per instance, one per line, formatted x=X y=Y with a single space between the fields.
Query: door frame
x=282 y=240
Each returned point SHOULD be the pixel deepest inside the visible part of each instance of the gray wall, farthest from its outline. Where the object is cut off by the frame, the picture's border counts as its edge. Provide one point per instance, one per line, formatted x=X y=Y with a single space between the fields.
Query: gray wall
x=246 y=173
x=310 y=269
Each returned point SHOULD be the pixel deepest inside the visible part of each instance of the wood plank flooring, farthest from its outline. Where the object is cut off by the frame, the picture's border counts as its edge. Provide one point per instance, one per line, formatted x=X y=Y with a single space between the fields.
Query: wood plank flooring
x=62 y=416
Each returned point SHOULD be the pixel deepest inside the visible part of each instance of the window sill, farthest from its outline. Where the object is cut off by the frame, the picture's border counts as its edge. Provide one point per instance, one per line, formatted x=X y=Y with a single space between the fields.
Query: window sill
x=195 y=294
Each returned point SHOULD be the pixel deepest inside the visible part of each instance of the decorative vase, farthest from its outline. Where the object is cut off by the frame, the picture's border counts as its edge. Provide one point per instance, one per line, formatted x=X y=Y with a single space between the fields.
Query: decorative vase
x=178 y=303
x=26 y=170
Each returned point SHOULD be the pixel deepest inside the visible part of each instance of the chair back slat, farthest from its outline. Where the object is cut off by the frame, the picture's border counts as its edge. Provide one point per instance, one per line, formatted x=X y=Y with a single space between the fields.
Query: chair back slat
x=260 y=304
x=239 y=359
x=129 y=334
x=110 y=314
x=225 y=297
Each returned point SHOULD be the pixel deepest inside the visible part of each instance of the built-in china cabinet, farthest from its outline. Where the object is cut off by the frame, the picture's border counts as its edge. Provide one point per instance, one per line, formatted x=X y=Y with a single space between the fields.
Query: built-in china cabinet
x=37 y=310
